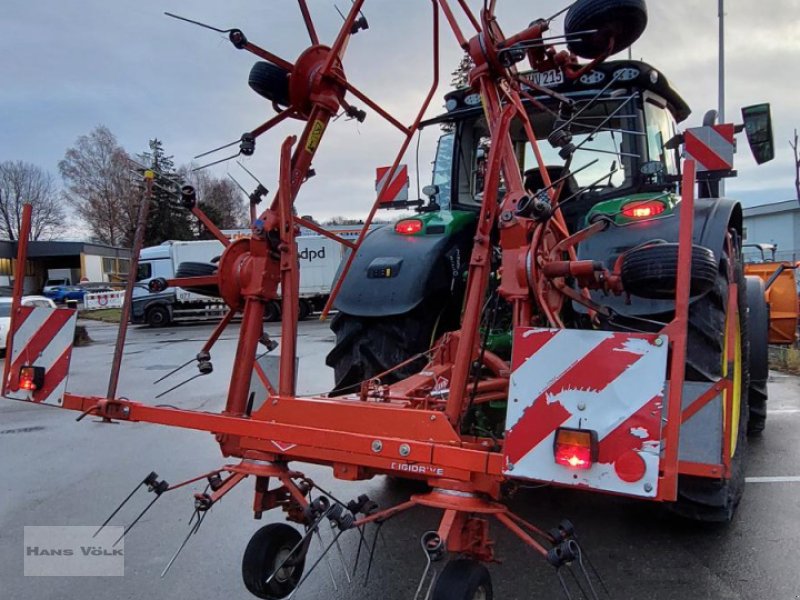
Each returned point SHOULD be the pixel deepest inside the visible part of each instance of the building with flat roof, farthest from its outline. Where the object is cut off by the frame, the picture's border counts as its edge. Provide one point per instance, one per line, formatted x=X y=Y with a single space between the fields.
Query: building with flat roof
x=777 y=223
x=75 y=261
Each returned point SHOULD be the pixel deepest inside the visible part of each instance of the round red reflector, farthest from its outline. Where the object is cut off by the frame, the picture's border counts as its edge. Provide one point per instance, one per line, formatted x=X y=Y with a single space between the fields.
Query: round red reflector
x=408 y=226
x=643 y=209
x=630 y=466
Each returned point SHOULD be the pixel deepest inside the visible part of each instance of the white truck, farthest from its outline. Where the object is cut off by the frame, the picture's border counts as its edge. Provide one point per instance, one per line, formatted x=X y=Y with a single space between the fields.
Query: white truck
x=319 y=261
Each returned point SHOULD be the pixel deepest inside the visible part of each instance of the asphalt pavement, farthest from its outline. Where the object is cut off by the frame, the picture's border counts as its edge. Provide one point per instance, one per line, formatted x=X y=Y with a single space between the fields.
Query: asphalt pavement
x=55 y=471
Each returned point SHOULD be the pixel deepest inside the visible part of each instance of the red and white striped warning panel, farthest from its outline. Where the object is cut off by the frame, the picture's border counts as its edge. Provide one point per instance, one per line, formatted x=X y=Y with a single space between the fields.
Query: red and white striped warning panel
x=598 y=385
x=394 y=190
x=40 y=337
x=711 y=147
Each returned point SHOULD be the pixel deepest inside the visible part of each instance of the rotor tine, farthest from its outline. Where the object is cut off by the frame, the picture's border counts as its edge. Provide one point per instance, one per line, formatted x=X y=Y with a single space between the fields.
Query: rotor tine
x=372 y=552
x=361 y=542
x=233 y=143
x=136 y=520
x=246 y=170
x=314 y=566
x=563 y=583
x=327 y=559
x=216 y=162
x=116 y=510
x=340 y=12
x=184 y=365
x=192 y=531
x=239 y=185
x=341 y=557
x=588 y=578
x=198 y=23
x=561 y=12
x=182 y=383
x=584 y=595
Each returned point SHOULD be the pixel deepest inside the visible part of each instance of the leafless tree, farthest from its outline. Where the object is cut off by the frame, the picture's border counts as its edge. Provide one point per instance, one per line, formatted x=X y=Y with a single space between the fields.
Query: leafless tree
x=794 y=146
x=101 y=187
x=21 y=183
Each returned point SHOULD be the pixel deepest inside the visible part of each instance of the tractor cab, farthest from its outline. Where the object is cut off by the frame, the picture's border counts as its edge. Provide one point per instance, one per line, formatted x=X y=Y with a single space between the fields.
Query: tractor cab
x=611 y=133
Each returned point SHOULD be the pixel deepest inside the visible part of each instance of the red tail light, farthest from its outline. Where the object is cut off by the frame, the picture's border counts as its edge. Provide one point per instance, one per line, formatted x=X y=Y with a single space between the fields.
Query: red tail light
x=31 y=378
x=408 y=226
x=575 y=448
x=643 y=209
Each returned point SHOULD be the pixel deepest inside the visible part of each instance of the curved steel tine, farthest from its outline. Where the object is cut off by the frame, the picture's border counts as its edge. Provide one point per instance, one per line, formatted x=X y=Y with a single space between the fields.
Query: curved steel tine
x=233 y=143
x=184 y=365
x=216 y=162
x=328 y=558
x=314 y=566
x=308 y=534
x=192 y=531
x=198 y=23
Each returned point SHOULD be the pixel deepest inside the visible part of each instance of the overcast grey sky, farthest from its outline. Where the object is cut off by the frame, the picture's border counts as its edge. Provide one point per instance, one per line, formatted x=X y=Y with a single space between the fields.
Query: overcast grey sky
x=69 y=66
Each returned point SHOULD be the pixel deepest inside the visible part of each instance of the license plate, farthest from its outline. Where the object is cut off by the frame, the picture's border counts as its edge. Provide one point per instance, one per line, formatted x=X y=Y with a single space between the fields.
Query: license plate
x=551 y=78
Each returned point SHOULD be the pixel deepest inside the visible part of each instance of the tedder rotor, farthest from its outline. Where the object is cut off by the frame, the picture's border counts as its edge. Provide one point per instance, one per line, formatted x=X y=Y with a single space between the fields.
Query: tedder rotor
x=619 y=294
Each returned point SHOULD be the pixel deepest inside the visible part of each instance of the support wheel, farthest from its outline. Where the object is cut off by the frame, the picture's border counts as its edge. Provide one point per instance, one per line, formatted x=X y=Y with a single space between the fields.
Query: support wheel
x=616 y=24
x=267 y=549
x=463 y=579
x=271 y=82
x=651 y=270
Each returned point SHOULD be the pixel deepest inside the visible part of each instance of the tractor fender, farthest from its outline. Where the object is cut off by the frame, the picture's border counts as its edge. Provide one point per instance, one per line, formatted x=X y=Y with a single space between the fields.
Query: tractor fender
x=713 y=217
x=393 y=273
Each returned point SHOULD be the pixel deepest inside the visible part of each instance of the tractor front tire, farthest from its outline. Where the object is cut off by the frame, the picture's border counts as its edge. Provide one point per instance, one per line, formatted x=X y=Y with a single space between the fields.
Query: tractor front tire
x=368 y=346
x=616 y=25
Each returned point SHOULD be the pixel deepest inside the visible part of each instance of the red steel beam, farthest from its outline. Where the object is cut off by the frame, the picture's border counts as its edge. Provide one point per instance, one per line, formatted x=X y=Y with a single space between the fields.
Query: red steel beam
x=23 y=235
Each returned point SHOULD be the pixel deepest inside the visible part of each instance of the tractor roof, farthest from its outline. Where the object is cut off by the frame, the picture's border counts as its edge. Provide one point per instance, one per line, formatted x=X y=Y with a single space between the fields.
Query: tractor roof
x=629 y=73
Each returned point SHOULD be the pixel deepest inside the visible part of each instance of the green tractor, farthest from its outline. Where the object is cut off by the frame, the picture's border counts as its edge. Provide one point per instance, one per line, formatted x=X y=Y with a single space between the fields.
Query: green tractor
x=617 y=129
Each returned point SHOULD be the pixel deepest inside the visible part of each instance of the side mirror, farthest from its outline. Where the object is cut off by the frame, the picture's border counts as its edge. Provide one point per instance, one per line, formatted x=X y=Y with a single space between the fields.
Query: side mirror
x=431 y=190
x=758 y=126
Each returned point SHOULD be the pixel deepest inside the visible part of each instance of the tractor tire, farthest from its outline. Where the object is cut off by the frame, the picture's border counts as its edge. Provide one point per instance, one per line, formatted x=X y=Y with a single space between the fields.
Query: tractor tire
x=198 y=269
x=158 y=316
x=368 y=346
x=270 y=81
x=758 y=321
x=700 y=498
x=617 y=21
x=651 y=271
x=463 y=579
x=267 y=549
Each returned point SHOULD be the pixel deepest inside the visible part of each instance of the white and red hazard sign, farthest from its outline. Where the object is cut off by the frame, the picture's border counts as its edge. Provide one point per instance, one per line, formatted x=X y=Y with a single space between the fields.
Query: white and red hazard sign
x=40 y=337
x=394 y=189
x=606 y=382
x=712 y=147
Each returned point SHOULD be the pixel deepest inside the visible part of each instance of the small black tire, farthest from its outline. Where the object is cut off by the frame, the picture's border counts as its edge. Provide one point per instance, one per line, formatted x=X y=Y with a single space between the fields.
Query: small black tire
x=622 y=21
x=463 y=579
x=272 y=312
x=158 y=316
x=265 y=551
x=198 y=269
x=651 y=270
x=270 y=81
x=758 y=323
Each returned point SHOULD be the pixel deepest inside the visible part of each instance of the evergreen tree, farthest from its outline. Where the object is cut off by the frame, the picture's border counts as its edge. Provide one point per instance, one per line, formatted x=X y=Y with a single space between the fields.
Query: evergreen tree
x=168 y=219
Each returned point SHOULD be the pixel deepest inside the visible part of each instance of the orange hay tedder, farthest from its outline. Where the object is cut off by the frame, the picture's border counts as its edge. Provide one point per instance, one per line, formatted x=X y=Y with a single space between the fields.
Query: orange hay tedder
x=622 y=297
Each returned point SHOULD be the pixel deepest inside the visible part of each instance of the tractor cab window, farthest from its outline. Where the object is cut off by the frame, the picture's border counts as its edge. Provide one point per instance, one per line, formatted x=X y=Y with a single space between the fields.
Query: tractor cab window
x=443 y=169
x=661 y=128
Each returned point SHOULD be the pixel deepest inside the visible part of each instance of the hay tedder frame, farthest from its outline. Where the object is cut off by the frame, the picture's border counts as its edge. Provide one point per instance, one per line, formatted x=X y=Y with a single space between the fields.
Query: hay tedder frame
x=410 y=428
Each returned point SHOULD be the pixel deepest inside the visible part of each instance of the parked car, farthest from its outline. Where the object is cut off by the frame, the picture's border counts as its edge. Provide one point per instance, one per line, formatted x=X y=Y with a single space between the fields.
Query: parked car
x=62 y=293
x=5 y=313
x=51 y=284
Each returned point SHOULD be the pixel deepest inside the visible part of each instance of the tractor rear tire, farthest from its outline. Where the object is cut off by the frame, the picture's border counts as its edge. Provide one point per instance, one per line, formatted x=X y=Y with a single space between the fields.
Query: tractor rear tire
x=368 y=346
x=270 y=81
x=463 y=579
x=651 y=270
x=198 y=269
x=758 y=321
x=700 y=498
x=617 y=21
x=266 y=550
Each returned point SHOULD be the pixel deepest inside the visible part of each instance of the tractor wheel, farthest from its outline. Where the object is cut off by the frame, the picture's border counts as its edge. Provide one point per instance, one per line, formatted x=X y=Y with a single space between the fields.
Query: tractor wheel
x=271 y=82
x=368 y=346
x=463 y=579
x=758 y=321
x=269 y=547
x=617 y=25
x=157 y=316
x=651 y=270
x=198 y=269
x=700 y=498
